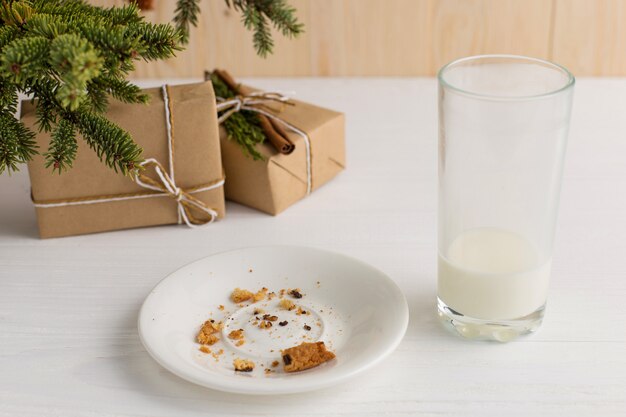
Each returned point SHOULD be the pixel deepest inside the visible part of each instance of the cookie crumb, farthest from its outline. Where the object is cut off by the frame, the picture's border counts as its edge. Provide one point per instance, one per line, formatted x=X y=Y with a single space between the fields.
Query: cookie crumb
x=238 y=295
x=206 y=334
x=204 y=349
x=236 y=334
x=268 y=371
x=275 y=364
x=265 y=324
x=270 y=318
x=305 y=356
x=216 y=355
x=220 y=307
x=241 y=342
x=243 y=365
x=287 y=304
x=258 y=311
x=307 y=327
x=260 y=295
x=283 y=323
x=295 y=293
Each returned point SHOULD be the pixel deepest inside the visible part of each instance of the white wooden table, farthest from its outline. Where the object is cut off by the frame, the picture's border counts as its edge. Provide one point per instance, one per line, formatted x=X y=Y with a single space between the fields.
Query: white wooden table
x=68 y=307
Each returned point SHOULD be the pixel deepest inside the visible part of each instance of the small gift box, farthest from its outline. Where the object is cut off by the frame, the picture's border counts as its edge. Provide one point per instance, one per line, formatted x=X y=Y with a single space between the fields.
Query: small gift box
x=181 y=180
x=305 y=148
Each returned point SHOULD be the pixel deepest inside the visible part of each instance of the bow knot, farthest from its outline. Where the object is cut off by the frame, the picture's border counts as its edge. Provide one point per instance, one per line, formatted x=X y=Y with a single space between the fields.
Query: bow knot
x=247 y=102
x=187 y=203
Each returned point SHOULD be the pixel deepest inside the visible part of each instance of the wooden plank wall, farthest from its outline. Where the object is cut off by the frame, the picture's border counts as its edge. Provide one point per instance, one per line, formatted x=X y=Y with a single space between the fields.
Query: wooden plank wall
x=404 y=37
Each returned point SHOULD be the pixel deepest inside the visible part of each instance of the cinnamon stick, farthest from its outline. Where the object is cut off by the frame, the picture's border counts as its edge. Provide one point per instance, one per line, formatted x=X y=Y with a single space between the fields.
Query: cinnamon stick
x=274 y=132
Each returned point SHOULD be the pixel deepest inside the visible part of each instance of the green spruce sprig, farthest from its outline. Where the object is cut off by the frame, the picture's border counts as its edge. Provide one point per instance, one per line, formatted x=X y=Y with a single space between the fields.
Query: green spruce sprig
x=243 y=127
x=71 y=56
x=256 y=15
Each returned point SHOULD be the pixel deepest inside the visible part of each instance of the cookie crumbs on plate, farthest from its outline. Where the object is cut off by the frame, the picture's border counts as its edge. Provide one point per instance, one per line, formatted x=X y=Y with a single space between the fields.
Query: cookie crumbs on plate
x=238 y=295
x=216 y=355
x=283 y=323
x=305 y=356
x=206 y=334
x=271 y=295
x=236 y=334
x=207 y=339
x=265 y=324
x=287 y=304
x=269 y=317
x=295 y=293
x=260 y=295
x=243 y=365
x=204 y=349
x=301 y=312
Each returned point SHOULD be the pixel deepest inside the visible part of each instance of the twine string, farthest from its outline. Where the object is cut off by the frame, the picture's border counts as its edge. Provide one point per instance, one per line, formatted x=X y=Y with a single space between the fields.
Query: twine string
x=253 y=102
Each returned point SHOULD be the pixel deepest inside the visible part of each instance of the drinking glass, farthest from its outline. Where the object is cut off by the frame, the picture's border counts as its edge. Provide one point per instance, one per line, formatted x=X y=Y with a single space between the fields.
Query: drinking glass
x=503 y=123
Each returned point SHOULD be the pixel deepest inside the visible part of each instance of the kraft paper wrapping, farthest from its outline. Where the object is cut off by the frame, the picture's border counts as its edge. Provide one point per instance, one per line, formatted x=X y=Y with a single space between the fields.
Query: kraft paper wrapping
x=196 y=161
x=280 y=180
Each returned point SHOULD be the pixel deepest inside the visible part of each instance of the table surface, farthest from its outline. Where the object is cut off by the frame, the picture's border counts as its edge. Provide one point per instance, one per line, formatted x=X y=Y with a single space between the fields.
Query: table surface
x=68 y=307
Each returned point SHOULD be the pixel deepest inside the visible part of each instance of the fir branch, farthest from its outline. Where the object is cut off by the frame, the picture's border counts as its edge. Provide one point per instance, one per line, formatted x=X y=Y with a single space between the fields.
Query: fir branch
x=15 y=13
x=24 y=58
x=17 y=144
x=120 y=89
x=159 y=41
x=63 y=146
x=112 y=144
x=70 y=56
x=8 y=97
x=243 y=127
x=186 y=15
x=256 y=15
x=76 y=62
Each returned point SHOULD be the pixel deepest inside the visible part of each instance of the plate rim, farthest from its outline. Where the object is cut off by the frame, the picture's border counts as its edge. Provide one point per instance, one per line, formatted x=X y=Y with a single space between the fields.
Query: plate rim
x=302 y=386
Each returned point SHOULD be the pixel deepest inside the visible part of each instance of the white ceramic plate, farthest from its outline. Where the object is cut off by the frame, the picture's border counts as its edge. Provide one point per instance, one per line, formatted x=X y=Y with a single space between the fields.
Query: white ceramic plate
x=358 y=312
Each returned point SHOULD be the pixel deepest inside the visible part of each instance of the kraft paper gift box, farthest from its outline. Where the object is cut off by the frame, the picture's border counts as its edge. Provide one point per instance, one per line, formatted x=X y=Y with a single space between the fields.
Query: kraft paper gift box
x=90 y=197
x=275 y=183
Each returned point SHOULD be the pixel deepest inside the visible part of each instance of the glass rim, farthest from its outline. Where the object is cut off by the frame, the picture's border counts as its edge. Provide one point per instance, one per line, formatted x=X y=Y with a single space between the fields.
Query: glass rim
x=571 y=80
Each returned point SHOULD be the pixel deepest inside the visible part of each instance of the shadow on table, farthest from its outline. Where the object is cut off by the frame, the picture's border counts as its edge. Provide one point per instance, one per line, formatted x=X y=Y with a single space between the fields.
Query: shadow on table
x=17 y=218
x=423 y=321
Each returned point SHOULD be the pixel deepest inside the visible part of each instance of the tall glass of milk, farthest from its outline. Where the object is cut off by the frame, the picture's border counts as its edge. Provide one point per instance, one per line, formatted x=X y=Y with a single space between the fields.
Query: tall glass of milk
x=503 y=123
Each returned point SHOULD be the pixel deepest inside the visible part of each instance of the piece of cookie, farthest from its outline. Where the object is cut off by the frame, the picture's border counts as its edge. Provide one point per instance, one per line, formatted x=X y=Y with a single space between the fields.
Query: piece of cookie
x=305 y=356
x=236 y=334
x=243 y=365
x=206 y=334
x=286 y=304
x=239 y=296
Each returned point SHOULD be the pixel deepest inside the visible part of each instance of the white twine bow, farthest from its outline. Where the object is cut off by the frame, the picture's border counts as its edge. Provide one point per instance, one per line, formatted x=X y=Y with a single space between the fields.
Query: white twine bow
x=250 y=102
x=184 y=200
